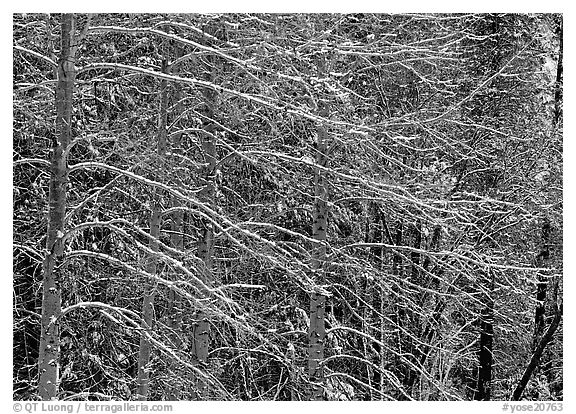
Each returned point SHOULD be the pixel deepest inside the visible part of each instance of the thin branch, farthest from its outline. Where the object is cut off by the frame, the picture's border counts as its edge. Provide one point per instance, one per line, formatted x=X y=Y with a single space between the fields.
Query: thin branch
x=36 y=54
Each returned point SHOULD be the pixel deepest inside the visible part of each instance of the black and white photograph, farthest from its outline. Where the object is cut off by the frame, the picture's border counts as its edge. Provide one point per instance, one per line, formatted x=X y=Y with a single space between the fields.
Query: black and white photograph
x=287 y=207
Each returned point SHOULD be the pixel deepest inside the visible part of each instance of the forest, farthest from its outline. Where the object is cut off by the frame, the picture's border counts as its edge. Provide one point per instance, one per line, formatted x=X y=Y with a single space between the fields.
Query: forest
x=287 y=207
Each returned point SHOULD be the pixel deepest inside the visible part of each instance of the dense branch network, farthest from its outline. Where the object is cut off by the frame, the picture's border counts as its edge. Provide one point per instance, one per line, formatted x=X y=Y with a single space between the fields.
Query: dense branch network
x=251 y=195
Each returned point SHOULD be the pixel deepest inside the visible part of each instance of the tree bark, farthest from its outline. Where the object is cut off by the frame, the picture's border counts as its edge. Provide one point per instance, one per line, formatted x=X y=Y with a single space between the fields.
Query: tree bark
x=49 y=352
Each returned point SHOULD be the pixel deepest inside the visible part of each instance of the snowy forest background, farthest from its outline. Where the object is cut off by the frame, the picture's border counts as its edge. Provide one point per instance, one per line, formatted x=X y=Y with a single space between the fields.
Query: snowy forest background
x=287 y=206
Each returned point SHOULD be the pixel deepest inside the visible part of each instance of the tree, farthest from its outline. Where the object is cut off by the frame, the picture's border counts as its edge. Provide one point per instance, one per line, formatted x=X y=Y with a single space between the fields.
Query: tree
x=48 y=358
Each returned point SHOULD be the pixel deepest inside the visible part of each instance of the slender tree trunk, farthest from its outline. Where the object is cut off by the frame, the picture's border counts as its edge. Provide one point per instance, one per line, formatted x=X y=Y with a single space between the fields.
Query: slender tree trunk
x=317 y=331
x=397 y=259
x=175 y=306
x=535 y=360
x=175 y=301
x=559 y=74
x=415 y=350
x=543 y=256
x=49 y=352
x=377 y=293
x=403 y=343
x=485 y=356
x=434 y=245
x=542 y=285
x=201 y=330
x=485 y=352
x=143 y=377
x=415 y=256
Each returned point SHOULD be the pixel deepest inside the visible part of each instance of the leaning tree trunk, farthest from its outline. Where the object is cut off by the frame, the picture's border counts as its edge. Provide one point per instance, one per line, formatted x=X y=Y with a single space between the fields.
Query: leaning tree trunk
x=49 y=352
x=538 y=351
x=143 y=376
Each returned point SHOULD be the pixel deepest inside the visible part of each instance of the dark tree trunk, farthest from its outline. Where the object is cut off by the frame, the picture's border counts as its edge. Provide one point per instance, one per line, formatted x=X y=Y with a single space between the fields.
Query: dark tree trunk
x=415 y=256
x=485 y=354
x=415 y=351
x=535 y=360
x=542 y=285
x=397 y=259
x=559 y=74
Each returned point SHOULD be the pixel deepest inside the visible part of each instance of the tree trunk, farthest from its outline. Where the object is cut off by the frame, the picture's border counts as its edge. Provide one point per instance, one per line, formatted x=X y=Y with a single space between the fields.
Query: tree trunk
x=49 y=352
x=402 y=342
x=415 y=256
x=534 y=361
x=485 y=356
x=485 y=352
x=175 y=306
x=434 y=244
x=542 y=285
x=143 y=378
x=544 y=254
x=397 y=259
x=415 y=348
x=559 y=74
x=175 y=301
x=317 y=330
x=201 y=330
x=378 y=293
